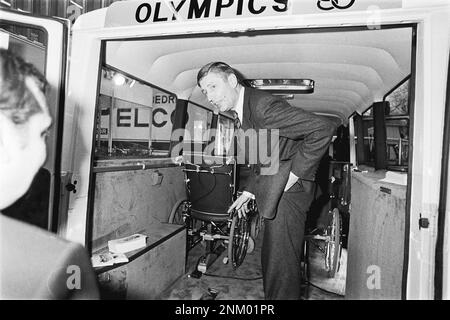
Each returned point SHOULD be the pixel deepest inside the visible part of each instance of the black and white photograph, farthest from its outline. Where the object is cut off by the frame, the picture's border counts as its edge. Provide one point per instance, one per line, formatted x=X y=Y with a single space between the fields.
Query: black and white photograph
x=244 y=152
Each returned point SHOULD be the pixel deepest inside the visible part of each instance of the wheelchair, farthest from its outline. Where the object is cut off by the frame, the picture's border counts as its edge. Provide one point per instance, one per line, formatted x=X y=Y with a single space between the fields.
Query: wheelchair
x=331 y=241
x=211 y=190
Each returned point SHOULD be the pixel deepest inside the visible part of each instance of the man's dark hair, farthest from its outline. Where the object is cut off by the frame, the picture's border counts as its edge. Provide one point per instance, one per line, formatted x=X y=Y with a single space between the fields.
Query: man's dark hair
x=217 y=67
x=16 y=100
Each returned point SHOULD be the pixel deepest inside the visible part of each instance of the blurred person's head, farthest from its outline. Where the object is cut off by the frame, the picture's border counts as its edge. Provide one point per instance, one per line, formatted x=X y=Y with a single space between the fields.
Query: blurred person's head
x=24 y=123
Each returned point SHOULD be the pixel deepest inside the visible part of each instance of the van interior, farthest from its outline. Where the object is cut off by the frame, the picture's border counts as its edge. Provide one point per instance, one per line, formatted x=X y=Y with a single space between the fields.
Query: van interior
x=357 y=77
x=360 y=78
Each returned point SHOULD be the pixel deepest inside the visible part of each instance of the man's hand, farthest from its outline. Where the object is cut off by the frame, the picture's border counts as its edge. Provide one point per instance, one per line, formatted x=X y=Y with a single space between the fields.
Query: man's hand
x=291 y=181
x=241 y=206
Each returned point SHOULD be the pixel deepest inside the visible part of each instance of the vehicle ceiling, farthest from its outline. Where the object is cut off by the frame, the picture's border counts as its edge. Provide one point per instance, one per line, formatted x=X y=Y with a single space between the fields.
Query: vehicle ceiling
x=351 y=68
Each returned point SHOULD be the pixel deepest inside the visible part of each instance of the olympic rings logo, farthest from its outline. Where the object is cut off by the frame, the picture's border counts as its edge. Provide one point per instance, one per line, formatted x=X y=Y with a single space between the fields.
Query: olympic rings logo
x=334 y=4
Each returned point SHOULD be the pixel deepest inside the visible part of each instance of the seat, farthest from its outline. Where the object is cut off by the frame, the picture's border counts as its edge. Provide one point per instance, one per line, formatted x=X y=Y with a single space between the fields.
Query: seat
x=211 y=190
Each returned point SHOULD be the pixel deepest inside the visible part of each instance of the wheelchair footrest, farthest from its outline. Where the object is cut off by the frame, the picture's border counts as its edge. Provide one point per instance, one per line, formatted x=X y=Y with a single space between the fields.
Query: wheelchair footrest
x=211 y=237
x=196 y=274
x=317 y=237
x=202 y=266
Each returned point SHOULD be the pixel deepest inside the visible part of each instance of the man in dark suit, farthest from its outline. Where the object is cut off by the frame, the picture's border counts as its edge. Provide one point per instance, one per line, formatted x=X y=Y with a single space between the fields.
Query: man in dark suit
x=283 y=197
x=34 y=264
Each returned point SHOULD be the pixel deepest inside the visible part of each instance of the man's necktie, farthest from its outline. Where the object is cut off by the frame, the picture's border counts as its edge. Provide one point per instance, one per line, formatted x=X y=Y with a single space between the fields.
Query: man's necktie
x=237 y=122
x=237 y=126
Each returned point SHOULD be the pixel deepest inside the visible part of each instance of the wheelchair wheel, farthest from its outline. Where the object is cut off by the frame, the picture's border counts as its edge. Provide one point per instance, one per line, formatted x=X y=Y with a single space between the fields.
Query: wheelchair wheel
x=180 y=216
x=333 y=244
x=177 y=215
x=238 y=241
x=305 y=270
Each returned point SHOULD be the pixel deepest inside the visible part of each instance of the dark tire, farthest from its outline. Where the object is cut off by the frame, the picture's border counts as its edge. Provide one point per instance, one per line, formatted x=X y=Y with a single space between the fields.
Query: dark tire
x=176 y=216
x=238 y=241
x=305 y=270
x=333 y=245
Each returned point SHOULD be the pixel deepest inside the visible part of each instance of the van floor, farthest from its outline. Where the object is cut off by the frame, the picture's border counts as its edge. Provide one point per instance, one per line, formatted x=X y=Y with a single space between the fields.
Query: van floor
x=221 y=282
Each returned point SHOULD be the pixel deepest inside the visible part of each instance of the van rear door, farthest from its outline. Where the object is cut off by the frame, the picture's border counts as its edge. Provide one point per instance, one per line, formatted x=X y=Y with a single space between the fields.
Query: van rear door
x=41 y=41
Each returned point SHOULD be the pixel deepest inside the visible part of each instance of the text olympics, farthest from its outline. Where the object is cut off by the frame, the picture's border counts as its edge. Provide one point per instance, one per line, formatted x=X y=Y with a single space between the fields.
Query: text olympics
x=197 y=9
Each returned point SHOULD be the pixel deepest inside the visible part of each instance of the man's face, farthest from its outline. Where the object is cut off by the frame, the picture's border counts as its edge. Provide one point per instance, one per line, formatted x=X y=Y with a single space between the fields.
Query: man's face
x=221 y=90
x=24 y=149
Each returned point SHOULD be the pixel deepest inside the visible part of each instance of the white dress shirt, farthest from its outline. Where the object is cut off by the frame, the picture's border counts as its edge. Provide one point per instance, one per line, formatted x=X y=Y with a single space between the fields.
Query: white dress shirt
x=239 y=109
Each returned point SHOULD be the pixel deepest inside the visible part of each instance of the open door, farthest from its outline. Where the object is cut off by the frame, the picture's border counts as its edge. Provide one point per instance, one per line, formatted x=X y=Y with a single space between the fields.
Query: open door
x=442 y=258
x=42 y=42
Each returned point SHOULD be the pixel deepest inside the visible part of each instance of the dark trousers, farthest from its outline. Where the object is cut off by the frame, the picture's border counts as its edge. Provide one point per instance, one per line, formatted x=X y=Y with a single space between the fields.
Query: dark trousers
x=283 y=243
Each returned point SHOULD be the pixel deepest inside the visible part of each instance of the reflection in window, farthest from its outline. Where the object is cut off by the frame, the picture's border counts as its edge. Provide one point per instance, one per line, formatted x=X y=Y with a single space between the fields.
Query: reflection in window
x=368 y=139
x=197 y=133
x=28 y=43
x=397 y=130
x=126 y=108
x=224 y=136
x=397 y=141
x=398 y=100
x=397 y=127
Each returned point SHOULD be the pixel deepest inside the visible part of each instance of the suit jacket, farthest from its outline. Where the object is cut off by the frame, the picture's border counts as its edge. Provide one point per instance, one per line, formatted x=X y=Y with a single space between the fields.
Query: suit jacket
x=36 y=264
x=303 y=139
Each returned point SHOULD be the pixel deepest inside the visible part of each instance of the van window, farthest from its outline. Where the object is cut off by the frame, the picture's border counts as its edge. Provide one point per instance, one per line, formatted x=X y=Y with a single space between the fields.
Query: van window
x=25 y=41
x=397 y=127
x=134 y=118
x=396 y=123
x=368 y=139
x=397 y=142
x=399 y=100
x=197 y=134
x=224 y=135
x=30 y=44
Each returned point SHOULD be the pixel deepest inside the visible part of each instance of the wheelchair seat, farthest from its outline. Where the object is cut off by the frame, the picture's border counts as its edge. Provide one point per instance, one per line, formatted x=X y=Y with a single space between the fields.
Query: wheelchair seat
x=210 y=190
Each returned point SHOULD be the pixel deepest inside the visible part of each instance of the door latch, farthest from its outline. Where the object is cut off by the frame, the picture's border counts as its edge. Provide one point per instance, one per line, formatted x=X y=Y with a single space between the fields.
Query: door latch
x=71 y=187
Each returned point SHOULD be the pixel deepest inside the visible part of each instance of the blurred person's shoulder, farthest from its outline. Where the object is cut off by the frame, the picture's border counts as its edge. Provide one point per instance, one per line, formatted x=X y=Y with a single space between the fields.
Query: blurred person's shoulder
x=34 y=262
x=17 y=234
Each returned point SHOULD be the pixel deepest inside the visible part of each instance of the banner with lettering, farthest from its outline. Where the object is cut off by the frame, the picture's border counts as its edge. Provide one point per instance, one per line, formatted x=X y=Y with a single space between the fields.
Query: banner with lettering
x=133 y=12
